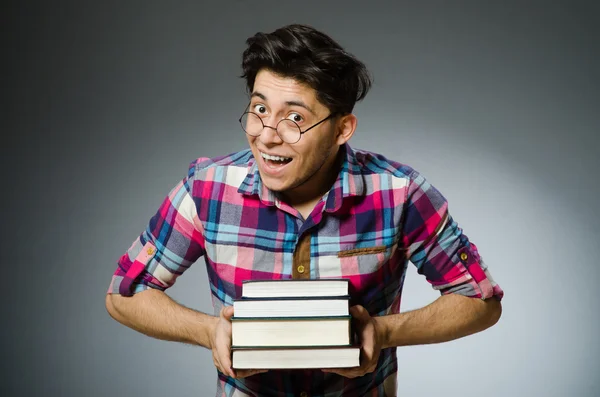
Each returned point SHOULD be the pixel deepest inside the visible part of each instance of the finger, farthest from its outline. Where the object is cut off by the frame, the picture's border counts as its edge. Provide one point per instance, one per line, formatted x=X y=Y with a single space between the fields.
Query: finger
x=368 y=349
x=227 y=313
x=224 y=358
x=359 y=313
x=227 y=368
x=216 y=362
x=221 y=368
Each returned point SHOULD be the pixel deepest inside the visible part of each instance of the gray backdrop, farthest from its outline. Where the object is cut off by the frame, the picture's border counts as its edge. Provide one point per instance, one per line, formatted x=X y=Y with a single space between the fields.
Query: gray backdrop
x=106 y=103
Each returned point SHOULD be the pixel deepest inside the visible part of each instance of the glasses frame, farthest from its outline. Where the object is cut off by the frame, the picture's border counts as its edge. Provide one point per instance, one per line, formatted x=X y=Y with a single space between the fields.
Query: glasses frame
x=331 y=115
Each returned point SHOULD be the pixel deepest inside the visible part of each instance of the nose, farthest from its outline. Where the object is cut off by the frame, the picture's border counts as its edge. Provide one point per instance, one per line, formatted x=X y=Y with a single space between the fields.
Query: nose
x=269 y=136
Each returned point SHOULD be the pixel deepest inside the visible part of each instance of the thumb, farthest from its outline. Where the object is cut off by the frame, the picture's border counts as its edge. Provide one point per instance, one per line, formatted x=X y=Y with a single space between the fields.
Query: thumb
x=359 y=313
x=227 y=312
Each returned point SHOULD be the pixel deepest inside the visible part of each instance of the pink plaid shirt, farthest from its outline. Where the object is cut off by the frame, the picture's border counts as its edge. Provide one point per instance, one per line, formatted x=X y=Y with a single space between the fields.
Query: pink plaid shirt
x=378 y=216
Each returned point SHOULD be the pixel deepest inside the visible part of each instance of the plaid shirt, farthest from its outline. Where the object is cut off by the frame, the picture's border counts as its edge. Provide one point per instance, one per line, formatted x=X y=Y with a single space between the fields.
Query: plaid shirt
x=377 y=216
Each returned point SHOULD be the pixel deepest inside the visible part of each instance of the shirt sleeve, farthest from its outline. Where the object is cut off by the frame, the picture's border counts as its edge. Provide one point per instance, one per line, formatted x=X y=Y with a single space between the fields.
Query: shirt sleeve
x=439 y=249
x=171 y=243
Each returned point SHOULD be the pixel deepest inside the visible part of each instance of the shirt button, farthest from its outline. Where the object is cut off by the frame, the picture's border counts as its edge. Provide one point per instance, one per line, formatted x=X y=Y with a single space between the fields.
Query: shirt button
x=304 y=394
x=150 y=250
x=464 y=256
x=301 y=270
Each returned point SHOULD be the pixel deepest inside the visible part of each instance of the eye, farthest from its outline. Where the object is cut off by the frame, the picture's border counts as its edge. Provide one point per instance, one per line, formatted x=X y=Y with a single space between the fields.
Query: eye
x=295 y=117
x=260 y=109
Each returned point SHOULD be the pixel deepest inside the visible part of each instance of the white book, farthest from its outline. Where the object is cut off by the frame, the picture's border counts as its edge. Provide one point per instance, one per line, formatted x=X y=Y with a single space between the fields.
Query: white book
x=294 y=288
x=297 y=358
x=286 y=331
x=291 y=307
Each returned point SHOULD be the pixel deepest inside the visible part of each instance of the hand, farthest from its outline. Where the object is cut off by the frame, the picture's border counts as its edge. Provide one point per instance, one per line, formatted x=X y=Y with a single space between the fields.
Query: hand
x=221 y=346
x=371 y=339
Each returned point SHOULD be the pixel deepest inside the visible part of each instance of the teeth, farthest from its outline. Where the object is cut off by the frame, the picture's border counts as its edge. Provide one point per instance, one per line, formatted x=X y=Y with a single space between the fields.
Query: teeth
x=274 y=158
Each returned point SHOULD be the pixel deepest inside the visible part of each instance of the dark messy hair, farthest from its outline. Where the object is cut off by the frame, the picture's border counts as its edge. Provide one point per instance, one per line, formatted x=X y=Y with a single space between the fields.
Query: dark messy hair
x=310 y=57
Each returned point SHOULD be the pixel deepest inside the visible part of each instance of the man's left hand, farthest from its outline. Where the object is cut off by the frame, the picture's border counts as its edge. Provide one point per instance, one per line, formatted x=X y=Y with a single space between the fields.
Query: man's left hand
x=371 y=339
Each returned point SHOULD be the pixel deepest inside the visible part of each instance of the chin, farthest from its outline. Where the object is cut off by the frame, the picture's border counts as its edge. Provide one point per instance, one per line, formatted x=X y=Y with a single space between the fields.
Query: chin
x=274 y=185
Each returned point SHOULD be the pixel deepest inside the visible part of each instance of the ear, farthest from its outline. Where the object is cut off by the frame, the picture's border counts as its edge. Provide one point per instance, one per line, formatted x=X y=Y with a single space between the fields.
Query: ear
x=346 y=126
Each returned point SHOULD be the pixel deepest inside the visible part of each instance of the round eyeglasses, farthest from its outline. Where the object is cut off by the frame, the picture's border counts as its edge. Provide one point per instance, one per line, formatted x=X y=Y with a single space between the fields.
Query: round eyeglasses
x=287 y=129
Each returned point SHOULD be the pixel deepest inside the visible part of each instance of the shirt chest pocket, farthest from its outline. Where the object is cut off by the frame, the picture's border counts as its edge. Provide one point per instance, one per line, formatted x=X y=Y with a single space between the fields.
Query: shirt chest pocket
x=354 y=262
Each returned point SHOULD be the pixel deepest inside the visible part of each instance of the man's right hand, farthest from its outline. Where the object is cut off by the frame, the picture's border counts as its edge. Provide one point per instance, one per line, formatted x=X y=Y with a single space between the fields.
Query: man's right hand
x=221 y=346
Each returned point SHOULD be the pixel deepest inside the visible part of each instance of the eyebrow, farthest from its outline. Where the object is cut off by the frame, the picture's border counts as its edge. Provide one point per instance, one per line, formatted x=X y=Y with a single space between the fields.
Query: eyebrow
x=288 y=103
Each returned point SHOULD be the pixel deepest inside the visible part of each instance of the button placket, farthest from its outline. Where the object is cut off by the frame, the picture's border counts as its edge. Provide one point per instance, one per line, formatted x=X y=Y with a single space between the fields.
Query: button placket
x=301 y=264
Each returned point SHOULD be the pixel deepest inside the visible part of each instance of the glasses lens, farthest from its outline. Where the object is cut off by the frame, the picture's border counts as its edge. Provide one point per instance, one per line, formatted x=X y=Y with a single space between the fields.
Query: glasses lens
x=288 y=131
x=252 y=124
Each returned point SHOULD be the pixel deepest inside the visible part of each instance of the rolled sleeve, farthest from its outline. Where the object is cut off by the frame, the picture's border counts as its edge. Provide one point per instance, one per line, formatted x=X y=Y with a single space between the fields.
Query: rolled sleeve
x=171 y=243
x=439 y=249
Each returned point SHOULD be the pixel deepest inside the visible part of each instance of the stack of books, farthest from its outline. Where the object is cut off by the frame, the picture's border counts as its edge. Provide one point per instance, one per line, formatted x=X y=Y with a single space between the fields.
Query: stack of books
x=293 y=324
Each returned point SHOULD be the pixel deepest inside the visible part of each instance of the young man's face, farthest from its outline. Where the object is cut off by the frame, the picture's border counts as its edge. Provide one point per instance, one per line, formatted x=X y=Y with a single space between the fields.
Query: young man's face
x=275 y=98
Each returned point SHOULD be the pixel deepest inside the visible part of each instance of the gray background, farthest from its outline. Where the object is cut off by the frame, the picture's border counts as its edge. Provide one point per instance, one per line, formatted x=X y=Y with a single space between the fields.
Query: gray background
x=106 y=103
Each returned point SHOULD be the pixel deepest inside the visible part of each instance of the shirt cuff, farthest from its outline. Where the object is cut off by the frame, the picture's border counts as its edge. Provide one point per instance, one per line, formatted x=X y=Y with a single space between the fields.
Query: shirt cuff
x=131 y=277
x=469 y=276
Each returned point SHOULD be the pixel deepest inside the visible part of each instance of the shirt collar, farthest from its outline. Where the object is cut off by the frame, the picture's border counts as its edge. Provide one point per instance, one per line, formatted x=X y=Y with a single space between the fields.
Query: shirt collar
x=252 y=185
x=349 y=182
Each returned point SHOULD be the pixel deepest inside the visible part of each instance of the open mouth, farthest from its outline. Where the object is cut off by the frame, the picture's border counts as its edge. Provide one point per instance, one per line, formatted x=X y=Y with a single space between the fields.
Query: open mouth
x=275 y=162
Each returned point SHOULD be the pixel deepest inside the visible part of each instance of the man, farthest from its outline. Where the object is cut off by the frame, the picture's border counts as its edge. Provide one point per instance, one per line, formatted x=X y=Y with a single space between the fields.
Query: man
x=300 y=203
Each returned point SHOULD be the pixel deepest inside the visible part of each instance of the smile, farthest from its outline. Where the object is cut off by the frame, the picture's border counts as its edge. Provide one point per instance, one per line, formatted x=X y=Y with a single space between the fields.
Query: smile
x=274 y=165
x=278 y=159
